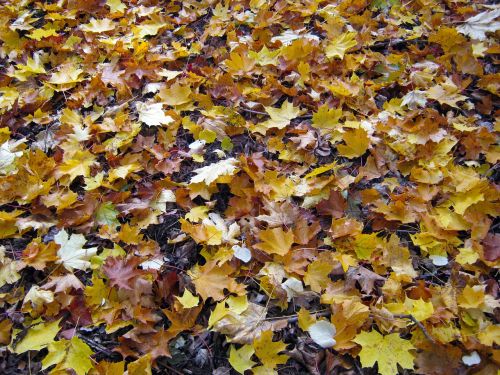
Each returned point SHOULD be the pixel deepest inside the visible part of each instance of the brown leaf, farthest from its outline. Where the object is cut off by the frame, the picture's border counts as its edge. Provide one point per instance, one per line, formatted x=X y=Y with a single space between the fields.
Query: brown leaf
x=121 y=272
x=334 y=206
x=366 y=279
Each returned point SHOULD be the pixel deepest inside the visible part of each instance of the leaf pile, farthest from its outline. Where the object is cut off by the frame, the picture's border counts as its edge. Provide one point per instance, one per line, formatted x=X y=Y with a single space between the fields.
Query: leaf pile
x=249 y=186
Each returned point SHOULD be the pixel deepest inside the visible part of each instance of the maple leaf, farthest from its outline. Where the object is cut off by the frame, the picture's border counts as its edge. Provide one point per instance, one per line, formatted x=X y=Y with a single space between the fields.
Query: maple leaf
x=38 y=336
x=356 y=143
x=240 y=359
x=317 y=275
x=71 y=354
x=64 y=283
x=281 y=117
x=334 y=206
x=242 y=324
x=265 y=56
x=188 y=300
x=239 y=63
x=152 y=114
x=275 y=241
x=326 y=118
x=71 y=252
x=8 y=156
x=477 y=26
x=366 y=278
x=414 y=99
x=116 y=6
x=39 y=34
x=121 y=272
x=142 y=366
x=68 y=74
x=78 y=165
x=445 y=95
x=98 y=26
x=107 y=214
x=210 y=280
x=340 y=45
x=175 y=95
x=8 y=269
x=213 y=172
x=388 y=351
x=268 y=351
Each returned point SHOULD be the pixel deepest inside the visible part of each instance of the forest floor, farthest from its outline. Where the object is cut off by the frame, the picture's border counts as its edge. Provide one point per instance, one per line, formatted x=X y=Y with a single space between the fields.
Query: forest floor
x=252 y=187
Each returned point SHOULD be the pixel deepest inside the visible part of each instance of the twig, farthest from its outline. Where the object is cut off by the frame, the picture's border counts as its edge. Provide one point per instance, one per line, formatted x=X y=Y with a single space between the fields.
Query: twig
x=253 y=111
x=96 y=346
x=392 y=43
x=420 y=325
x=293 y=318
x=303 y=117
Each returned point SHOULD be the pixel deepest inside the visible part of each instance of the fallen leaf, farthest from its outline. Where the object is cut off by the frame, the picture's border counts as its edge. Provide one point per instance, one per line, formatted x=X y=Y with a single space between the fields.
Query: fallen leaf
x=71 y=253
x=388 y=351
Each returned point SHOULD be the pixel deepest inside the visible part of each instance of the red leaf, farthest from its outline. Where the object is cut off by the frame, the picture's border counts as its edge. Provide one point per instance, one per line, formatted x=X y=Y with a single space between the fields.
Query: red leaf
x=334 y=206
x=121 y=272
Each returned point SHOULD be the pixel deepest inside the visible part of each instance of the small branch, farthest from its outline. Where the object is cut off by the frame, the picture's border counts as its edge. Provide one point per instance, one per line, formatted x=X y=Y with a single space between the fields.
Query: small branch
x=295 y=317
x=253 y=111
x=303 y=117
x=419 y=324
x=96 y=346
x=391 y=43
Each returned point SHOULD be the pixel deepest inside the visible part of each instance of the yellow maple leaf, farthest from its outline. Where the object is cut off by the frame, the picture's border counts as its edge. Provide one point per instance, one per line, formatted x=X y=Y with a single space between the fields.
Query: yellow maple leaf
x=445 y=95
x=140 y=367
x=239 y=63
x=175 y=95
x=188 y=300
x=317 y=275
x=268 y=351
x=326 y=118
x=265 y=56
x=68 y=74
x=420 y=309
x=356 y=143
x=339 y=46
x=280 y=117
x=39 y=34
x=472 y=297
x=78 y=165
x=116 y=6
x=71 y=354
x=98 y=26
x=275 y=241
x=240 y=359
x=388 y=351
x=38 y=337
x=210 y=280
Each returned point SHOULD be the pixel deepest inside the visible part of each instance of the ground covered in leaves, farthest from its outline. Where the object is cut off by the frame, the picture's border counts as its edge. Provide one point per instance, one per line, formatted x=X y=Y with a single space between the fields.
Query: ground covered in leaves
x=259 y=187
